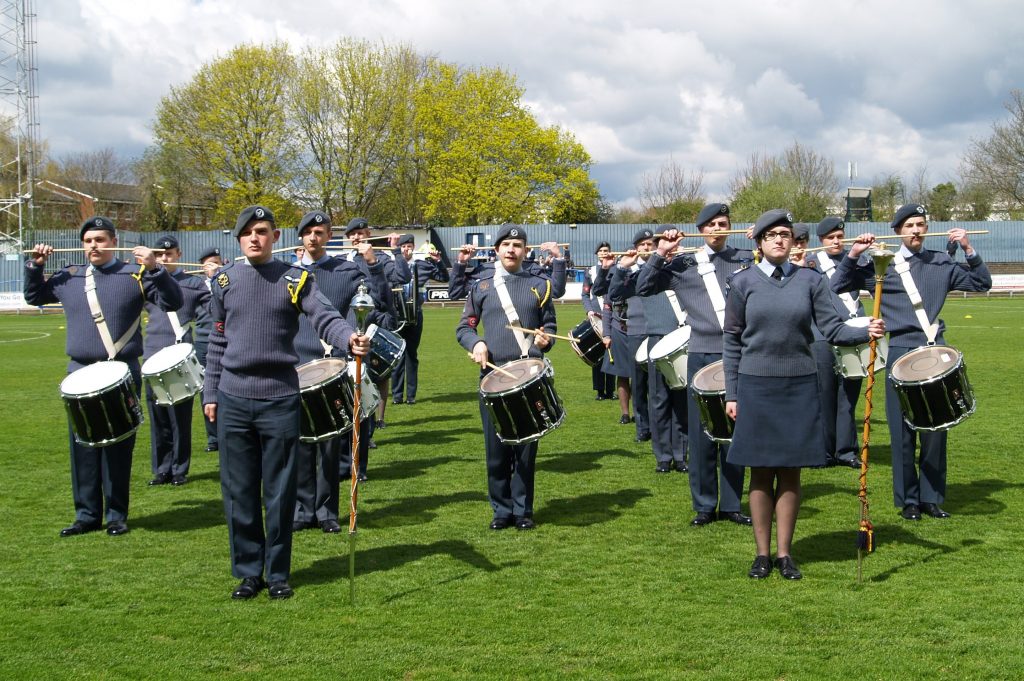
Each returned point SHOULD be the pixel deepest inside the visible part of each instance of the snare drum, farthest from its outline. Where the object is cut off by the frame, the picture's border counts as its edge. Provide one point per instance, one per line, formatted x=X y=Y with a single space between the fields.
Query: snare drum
x=102 y=404
x=709 y=393
x=401 y=311
x=524 y=407
x=932 y=386
x=326 y=394
x=587 y=342
x=852 y=362
x=173 y=374
x=641 y=355
x=369 y=398
x=669 y=355
x=386 y=350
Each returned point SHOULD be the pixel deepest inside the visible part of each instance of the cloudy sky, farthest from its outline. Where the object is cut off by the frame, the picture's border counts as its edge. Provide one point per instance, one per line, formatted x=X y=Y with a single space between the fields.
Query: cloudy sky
x=892 y=86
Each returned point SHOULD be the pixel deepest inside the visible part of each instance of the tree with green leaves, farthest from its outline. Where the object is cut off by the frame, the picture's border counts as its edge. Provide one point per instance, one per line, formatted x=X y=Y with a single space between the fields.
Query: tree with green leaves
x=996 y=163
x=887 y=194
x=941 y=203
x=799 y=179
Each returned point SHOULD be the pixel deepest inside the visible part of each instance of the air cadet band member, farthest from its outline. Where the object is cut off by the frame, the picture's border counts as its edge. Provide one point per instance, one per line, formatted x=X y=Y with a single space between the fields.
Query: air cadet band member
x=252 y=393
x=171 y=425
x=699 y=282
x=510 y=468
x=916 y=488
x=617 y=360
x=463 y=279
x=406 y=377
x=321 y=465
x=211 y=261
x=103 y=304
x=770 y=379
x=622 y=292
x=838 y=394
x=604 y=384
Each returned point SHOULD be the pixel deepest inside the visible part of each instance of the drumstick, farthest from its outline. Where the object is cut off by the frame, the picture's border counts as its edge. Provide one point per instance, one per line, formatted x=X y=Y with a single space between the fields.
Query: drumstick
x=537 y=333
x=541 y=245
x=368 y=238
x=894 y=236
x=495 y=367
x=82 y=250
x=675 y=252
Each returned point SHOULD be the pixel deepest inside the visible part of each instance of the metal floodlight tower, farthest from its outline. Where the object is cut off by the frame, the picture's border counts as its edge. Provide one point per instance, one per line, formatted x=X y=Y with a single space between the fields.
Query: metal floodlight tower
x=19 y=125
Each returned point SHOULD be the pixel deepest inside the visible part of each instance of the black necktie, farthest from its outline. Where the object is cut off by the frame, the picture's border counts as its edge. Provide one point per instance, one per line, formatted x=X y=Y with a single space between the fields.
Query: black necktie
x=777 y=273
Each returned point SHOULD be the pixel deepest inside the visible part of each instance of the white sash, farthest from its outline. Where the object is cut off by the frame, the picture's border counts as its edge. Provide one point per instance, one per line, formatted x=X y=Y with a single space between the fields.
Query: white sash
x=101 y=322
x=676 y=307
x=707 y=272
x=829 y=268
x=179 y=332
x=593 y=278
x=510 y=310
x=903 y=269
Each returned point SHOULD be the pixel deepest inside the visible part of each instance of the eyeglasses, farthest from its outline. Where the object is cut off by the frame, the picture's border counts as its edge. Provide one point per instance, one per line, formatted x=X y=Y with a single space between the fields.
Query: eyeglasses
x=772 y=236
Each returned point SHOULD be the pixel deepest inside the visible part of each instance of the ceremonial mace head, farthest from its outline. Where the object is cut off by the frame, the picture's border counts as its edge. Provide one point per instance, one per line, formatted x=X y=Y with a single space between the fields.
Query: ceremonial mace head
x=881 y=257
x=362 y=305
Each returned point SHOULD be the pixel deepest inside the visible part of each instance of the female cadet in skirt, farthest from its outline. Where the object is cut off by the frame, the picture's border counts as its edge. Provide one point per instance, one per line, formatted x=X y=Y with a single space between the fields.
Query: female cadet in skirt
x=770 y=378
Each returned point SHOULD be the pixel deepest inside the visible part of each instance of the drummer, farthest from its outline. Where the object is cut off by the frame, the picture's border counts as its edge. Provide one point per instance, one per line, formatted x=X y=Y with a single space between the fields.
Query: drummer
x=699 y=282
x=211 y=261
x=406 y=375
x=321 y=465
x=171 y=425
x=510 y=468
x=618 y=361
x=101 y=474
x=917 y=488
x=462 y=279
x=593 y=304
x=770 y=379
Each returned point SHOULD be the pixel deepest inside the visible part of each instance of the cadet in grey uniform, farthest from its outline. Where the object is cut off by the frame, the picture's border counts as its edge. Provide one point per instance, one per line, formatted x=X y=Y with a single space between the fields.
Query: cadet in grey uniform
x=252 y=392
x=406 y=378
x=212 y=262
x=916 y=488
x=101 y=474
x=462 y=279
x=604 y=383
x=510 y=468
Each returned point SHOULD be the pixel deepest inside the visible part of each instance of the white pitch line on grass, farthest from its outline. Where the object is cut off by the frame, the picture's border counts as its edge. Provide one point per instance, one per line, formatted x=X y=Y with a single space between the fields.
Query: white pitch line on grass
x=41 y=335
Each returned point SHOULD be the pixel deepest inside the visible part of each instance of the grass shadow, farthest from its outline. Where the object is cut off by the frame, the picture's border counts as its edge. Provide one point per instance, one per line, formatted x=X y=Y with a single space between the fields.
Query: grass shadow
x=414 y=510
x=398 y=423
x=576 y=462
x=410 y=468
x=447 y=398
x=976 y=497
x=591 y=509
x=416 y=438
x=183 y=516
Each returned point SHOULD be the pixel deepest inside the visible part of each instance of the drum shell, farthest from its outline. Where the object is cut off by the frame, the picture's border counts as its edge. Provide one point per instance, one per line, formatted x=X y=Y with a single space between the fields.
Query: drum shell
x=176 y=383
x=529 y=410
x=386 y=350
x=936 y=403
x=326 y=405
x=642 y=355
x=852 y=362
x=588 y=343
x=710 y=400
x=669 y=356
x=106 y=415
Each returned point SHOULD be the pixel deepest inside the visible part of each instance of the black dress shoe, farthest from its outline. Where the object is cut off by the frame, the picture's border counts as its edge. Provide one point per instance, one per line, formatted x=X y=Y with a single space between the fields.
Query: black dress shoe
x=78 y=527
x=330 y=526
x=211 y=446
x=361 y=477
x=787 y=568
x=280 y=590
x=411 y=400
x=371 y=444
x=179 y=480
x=115 y=528
x=761 y=568
x=911 y=512
x=502 y=523
x=850 y=462
x=643 y=437
x=933 y=510
x=300 y=525
x=735 y=517
x=160 y=479
x=248 y=588
x=397 y=400
x=663 y=468
x=624 y=420
x=682 y=467
x=381 y=425
x=525 y=523
x=703 y=518
x=600 y=397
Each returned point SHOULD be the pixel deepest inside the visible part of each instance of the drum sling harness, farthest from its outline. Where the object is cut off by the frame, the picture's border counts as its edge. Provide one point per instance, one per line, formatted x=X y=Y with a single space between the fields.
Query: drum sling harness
x=510 y=310
x=903 y=269
x=829 y=268
x=677 y=309
x=111 y=346
x=707 y=272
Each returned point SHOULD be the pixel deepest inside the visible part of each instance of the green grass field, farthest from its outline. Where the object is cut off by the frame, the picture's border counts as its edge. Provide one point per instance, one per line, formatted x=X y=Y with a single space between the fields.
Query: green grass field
x=613 y=583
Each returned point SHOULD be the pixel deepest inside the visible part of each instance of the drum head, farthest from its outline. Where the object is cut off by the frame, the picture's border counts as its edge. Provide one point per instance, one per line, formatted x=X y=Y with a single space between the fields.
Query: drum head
x=93 y=378
x=710 y=379
x=670 y=343
x=924 y=364
x=165 y=359
x=595 y=324
x=641 y=352
x=521 y=370
x=319 y=370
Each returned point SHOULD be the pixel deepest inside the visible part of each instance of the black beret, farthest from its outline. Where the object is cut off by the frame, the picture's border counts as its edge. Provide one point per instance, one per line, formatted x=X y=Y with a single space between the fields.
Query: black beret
x=356 y=223
x=313 y=217
x=510 y=231
x=801 y=231
x=209 y=253
x=710 y=212
x=406 y=239
x=167 y=242
x=603 y=244
x=907 y=211
x=776 y=216
x=830 y=224
x=250 y=214
x=97 y=223
x=642 y=235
